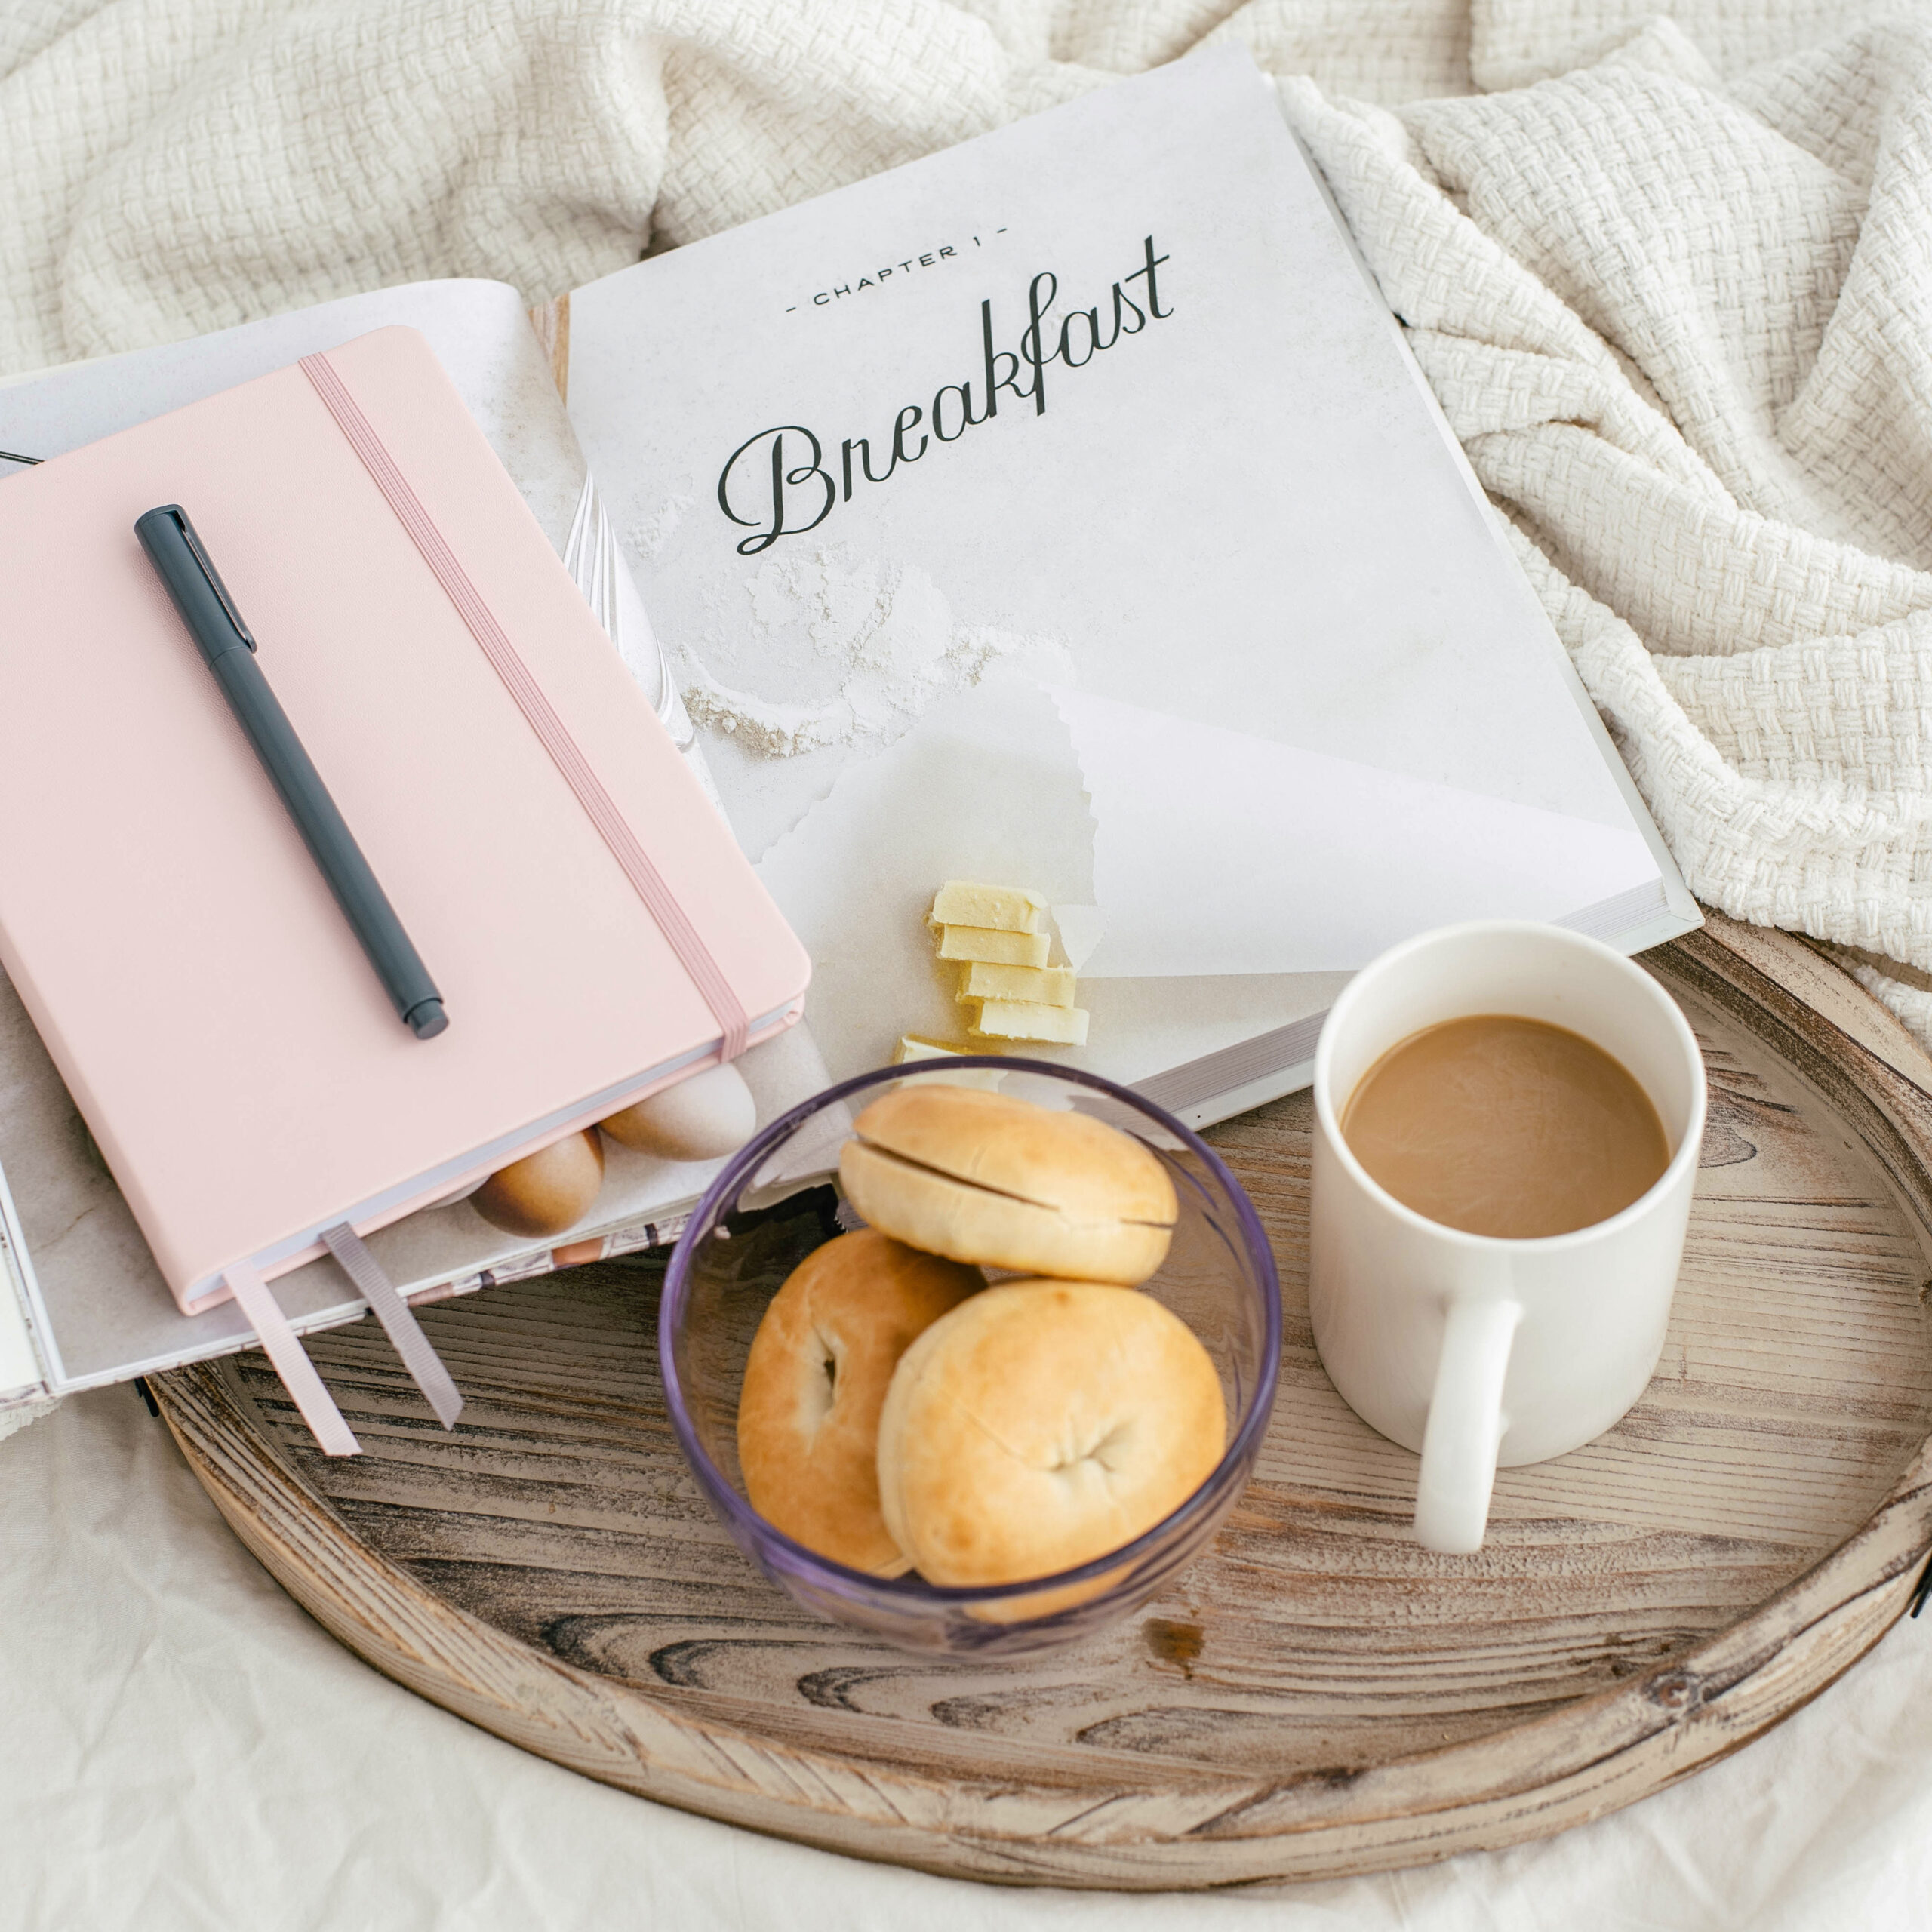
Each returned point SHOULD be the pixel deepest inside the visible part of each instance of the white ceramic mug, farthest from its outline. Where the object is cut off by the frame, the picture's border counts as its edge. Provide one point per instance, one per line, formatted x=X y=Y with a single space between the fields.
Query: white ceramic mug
x=1475 y=1350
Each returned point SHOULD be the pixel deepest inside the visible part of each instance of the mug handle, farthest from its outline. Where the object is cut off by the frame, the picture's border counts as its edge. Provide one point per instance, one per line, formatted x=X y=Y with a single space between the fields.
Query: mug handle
x=1465 y=1423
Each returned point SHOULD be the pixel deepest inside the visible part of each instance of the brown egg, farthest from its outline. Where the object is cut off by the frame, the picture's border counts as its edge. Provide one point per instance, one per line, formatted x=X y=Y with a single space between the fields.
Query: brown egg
x=546 y=1192
x=704 y=1116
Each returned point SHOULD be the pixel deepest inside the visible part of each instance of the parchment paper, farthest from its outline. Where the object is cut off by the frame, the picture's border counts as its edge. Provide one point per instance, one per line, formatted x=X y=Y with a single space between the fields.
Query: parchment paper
x=1208 y=884
x=1217 y=852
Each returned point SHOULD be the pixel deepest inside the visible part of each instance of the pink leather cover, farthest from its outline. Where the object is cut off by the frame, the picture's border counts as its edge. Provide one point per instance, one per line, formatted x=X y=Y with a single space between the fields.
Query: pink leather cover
x=212 y=1013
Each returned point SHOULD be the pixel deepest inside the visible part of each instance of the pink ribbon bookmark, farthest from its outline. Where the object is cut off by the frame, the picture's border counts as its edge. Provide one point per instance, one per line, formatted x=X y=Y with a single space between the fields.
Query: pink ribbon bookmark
x=399 y=1323
x=291 y=1361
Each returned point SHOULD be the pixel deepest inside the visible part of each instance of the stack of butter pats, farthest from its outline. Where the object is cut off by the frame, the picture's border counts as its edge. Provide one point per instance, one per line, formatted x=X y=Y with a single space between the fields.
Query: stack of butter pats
x=997 y=934
x=899 y=1414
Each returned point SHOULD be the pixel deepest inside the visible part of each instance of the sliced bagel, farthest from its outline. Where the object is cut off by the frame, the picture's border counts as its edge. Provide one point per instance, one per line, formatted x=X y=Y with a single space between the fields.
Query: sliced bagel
x=984 y=1178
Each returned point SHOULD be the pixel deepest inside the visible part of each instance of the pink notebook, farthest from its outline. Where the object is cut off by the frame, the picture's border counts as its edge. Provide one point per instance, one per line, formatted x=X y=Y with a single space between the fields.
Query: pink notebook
x=594 y=929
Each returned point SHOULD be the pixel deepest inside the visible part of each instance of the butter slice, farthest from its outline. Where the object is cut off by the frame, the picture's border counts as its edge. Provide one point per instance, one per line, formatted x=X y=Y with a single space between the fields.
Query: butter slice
x=910 y=1048
x=1027 y=1019
x=1043 y=986
x=1007 y=908
x=996 y=949
x=911 y=1051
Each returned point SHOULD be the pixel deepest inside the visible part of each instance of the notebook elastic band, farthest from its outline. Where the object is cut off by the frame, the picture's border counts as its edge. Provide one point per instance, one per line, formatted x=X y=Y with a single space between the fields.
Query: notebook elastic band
x=683 y=939
x=399 y=1319
x=291 y=1361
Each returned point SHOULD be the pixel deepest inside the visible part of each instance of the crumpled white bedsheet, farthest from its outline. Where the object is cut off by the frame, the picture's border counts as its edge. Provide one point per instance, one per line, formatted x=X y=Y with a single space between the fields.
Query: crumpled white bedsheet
x=1677 y=300
x=182 y=1748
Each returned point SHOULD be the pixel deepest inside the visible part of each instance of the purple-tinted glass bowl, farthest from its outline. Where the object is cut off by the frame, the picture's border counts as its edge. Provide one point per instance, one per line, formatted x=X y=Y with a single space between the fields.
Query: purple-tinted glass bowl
x=1219 y=1277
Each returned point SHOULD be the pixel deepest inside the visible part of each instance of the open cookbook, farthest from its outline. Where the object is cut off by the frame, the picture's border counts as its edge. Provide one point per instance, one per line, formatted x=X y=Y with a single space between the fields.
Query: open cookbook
x=1064 y=511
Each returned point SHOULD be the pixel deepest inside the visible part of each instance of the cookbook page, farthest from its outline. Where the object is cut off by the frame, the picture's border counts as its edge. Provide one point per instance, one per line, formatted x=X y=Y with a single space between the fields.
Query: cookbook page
x=1064 y=510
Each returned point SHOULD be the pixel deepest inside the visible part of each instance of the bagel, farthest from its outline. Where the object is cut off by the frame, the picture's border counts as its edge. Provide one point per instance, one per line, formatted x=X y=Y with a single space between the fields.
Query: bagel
x=816 y=1376
x=985 y=1178
x=1041 y=1425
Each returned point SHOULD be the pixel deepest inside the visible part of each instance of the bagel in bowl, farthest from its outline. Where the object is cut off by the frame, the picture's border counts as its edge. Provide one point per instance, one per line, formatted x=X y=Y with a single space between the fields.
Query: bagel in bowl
x=1040 y=1425
x=816 y=1379
x=987 y=1178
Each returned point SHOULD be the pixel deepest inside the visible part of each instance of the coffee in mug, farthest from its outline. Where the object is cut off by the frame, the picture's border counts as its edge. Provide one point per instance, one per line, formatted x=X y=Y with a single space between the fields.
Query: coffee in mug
x=1505 y=1126
x=1482 y=1323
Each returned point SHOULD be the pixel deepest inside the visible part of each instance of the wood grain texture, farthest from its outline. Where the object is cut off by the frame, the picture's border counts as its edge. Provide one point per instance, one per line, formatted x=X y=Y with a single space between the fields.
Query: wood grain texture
x=1316 y=1696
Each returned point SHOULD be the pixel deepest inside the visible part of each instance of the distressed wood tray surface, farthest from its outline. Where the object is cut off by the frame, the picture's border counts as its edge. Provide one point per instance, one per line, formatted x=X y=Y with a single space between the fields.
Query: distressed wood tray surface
x=1317 y=1695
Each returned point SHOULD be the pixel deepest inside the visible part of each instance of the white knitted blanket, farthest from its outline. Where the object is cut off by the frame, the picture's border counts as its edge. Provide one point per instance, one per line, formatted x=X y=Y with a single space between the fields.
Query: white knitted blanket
x=1676 y=297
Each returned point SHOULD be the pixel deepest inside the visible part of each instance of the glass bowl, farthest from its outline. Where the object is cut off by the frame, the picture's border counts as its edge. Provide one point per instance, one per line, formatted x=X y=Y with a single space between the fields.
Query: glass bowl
x=1218 y=1277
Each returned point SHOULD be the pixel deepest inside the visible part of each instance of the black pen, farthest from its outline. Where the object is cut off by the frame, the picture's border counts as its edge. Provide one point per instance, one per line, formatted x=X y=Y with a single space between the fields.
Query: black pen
x=216 y=626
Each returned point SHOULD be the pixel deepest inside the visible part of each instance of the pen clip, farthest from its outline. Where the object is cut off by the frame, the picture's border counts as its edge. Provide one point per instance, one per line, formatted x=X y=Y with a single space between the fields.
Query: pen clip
x=209 y=570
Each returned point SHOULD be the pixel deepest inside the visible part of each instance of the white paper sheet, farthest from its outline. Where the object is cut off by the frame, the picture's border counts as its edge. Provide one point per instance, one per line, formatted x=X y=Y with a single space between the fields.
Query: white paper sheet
x=1217 y=852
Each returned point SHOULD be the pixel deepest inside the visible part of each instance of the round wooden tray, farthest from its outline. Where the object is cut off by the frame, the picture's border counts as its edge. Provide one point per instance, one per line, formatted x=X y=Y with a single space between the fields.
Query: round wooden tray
x=1318 y=1695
